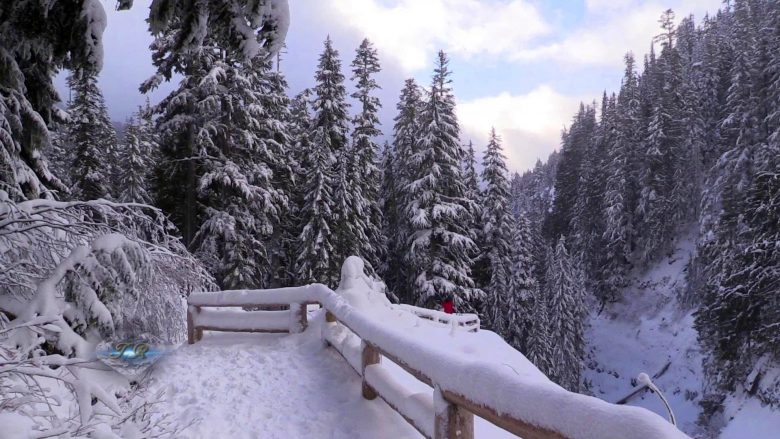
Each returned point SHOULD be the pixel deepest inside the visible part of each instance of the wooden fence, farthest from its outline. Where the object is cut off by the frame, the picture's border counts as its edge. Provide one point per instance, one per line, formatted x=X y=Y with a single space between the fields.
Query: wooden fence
x=449 y=411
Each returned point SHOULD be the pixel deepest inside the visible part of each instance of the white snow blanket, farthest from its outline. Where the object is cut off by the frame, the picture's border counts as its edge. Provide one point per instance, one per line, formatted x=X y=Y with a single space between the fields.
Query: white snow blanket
x=270 y=386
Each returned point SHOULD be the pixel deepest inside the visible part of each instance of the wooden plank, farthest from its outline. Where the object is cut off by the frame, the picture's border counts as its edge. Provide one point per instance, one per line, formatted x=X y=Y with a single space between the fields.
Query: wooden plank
x=512 y=425
x=370 y=355
x=406 y=418
x=412 y=371
x=452 y=421
x=255 y=330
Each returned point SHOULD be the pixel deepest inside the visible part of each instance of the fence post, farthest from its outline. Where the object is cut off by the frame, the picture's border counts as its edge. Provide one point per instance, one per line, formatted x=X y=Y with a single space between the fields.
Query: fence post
x=370 y=355
x=452 y=421
x=299 y=318
x=190 y=326
x=198 y=330
x=325 y=328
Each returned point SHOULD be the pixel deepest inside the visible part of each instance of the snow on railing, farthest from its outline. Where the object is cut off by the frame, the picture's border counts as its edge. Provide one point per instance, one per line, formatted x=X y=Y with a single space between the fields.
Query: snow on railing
x=469 y=373
x=469 y=322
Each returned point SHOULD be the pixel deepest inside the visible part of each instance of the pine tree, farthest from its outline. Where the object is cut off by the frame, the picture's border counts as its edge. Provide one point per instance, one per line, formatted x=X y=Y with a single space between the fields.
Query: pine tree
x=656 y=208
x=574 y=147
x=315 y=243
x=519 y=307
x=239 y=149
x=135 y=162
x=405 y=132
x=300 y=123
x=587 y=224
x=365 y=174
x=481 y=265
x=566 y=317
x=497 y=235
x=92 y=136
x=539 y=343
x=331 y=233
x=619 y=190
x=440 y=249
x=392 y=268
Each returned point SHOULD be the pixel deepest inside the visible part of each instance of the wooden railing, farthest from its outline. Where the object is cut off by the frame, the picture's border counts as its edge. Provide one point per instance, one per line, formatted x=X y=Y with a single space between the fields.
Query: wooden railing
x=469 y=322
x=459 y=391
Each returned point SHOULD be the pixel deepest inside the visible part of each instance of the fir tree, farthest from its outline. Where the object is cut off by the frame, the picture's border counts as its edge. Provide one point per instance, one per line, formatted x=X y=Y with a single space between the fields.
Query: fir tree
x=405 y=132
x=135 y=162
x=539 y=343
x=392 y=267
x=497 y=234
x=331 y=233
x=519 y=307
x=92 y=136
x=481 y=264
x=239 y=149
x=440 y=249
x=566 y=317
x=365 y=173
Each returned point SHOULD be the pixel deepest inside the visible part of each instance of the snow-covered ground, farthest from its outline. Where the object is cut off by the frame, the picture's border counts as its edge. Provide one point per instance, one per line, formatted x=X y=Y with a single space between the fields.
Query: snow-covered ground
x=648 y=330
x=270 y=386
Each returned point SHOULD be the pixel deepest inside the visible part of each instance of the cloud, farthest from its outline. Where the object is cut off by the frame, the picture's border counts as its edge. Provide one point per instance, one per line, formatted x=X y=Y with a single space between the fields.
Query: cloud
x=410 y=31
x=611 y=28
x=529 y=123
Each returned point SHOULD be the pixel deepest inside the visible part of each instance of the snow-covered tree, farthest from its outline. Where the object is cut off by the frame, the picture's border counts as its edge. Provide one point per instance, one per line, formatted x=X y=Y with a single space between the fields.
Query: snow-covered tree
x=440 y=249
x=539 y=343
x=238 y=149
x=314 y=263
x=136 y=160
x=497 y=235
x=518 y=308
x=618 y=194
x=365 y=174
x=392 y=266
x=405 y=131
x=566 y=318
x=330 y=233
x=92 y=137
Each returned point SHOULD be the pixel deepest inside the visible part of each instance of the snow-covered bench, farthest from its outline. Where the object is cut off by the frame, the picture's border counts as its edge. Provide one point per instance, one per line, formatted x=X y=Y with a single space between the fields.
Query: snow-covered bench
x=462 y=373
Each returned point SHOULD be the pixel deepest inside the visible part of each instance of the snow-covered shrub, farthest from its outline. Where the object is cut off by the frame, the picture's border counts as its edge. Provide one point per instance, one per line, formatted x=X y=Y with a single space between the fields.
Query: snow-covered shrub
x=75 y=258
x=47 y=395
x=72 y=274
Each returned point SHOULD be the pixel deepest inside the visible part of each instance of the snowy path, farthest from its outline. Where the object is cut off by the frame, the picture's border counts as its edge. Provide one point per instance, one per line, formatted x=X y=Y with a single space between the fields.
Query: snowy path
x=270 y=386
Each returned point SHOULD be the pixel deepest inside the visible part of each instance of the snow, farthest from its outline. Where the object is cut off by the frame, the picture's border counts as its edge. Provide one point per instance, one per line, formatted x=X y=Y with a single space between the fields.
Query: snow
x=749 y=419
x=650 y=329
x=270 y=386
x=644 y=333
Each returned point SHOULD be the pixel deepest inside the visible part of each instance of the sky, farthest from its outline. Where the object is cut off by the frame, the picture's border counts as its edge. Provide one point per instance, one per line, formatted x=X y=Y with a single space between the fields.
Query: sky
x=521 y=66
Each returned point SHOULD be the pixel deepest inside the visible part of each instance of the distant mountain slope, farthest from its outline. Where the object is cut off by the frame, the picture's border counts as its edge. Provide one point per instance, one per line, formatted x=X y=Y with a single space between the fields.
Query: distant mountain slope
x=650 y=331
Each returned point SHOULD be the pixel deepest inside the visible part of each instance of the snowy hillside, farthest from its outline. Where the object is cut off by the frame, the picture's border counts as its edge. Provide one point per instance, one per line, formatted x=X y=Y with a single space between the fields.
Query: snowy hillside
x=649 y=331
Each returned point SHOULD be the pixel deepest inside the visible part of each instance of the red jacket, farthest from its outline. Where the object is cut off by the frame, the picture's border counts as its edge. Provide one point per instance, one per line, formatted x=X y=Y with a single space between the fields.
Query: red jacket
x=448 y=306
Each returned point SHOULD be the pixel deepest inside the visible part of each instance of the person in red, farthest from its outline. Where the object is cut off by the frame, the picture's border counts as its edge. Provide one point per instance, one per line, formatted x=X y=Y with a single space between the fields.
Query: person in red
x=448 y=306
